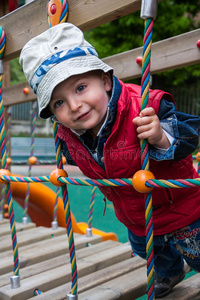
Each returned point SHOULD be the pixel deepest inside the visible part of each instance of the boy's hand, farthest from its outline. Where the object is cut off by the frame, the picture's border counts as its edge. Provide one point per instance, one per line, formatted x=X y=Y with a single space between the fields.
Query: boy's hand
x=148 y=127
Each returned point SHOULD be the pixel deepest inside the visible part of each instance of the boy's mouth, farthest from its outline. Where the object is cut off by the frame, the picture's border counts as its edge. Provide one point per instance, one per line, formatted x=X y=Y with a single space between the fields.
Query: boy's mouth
x=83 y=116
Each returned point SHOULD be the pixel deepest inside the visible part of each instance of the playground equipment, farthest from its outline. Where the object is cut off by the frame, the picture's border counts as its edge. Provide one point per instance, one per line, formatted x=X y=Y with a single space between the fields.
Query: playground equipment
x=41 y=207
x=120 y=182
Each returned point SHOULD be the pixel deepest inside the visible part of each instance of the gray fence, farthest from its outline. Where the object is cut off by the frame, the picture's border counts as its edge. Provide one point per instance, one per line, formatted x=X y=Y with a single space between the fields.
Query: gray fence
x=187 y=100
x=43 y=148
x=21 y=120
x=21 y=111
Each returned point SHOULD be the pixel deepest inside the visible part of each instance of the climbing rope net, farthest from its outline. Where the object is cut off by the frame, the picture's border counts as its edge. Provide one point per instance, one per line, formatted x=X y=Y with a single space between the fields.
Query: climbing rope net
x=57 y=13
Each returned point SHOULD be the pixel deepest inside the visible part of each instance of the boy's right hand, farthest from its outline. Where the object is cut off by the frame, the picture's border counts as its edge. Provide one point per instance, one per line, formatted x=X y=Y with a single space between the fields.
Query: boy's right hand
x=148 y=127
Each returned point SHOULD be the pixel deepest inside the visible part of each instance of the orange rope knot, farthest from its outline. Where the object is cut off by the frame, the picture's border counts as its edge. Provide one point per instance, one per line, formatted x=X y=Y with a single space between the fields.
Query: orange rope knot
x=55 y=174
x=9 y=160
x=139 y=179
x=2 y=173
x=198 y=156
x=32 y=160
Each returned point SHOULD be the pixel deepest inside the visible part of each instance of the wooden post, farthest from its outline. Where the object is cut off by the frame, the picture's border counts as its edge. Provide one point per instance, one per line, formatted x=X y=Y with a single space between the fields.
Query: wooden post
x=3 y=7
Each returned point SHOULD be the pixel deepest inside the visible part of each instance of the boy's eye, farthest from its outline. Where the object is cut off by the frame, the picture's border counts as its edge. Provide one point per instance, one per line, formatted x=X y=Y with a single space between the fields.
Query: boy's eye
x=58 y=103
x=80 y=88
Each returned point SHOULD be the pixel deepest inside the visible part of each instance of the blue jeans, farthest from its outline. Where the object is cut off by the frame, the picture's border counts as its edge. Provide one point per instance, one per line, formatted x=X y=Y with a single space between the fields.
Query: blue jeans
x=170 y=249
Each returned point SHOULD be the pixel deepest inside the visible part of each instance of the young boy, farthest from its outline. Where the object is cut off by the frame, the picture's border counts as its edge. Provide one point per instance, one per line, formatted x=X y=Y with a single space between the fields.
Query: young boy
x=100 y=124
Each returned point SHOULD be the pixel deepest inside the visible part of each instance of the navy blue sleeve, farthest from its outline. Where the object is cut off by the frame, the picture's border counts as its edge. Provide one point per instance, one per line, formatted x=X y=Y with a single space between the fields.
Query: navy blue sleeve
x=183 y=127
x=66 y=153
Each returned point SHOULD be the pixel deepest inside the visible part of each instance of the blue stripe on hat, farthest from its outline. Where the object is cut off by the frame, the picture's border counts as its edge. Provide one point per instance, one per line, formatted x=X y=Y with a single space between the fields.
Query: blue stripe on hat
x=55 y=59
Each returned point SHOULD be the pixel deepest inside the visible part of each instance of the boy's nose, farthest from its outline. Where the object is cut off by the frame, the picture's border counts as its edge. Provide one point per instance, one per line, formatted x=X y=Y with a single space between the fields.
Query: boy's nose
x=74 y=105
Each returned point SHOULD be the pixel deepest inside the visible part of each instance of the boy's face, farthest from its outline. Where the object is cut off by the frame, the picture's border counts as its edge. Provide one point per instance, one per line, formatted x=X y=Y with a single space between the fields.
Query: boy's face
x=80 y=102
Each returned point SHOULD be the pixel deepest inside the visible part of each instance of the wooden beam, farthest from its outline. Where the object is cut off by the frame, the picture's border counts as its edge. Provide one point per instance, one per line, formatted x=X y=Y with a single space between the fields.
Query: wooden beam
x=30 y=20
x=172 y=53
x=60 y=275
x=14 y=94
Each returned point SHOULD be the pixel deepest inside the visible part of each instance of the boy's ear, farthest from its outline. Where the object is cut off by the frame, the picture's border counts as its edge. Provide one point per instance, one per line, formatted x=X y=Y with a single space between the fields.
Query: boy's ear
x=107 y=81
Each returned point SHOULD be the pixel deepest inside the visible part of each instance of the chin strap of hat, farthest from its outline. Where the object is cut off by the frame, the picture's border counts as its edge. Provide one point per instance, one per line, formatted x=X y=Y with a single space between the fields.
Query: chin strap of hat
x=57 y=11
x=148 y=13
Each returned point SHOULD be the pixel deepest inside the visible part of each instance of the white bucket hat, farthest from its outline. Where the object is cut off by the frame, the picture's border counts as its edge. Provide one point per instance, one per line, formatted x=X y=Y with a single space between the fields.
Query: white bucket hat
x=55 y=55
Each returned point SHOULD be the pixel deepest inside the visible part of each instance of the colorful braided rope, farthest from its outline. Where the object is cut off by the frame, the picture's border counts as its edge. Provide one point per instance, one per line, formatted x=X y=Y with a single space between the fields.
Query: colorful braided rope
x=8 y=139
x=8 y=129
x=170 y=183
x=91 y=207
x=2 y=195
x=63 y=14
x=2 y=124
x=37 y=292
x=2 y=42
x=56 y=204
x=5 y=166
x=156 y=183
x=33 y=129
x=38 y=162
x=25 y=179
x=148 y=32
x=74 y=284
x=198 y=167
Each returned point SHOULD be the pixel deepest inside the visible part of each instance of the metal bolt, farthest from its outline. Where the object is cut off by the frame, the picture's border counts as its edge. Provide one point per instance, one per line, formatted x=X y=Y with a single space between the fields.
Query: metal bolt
x=148 y=9
x=72 y=297
x=1 y=67
x=88 y=232
x=15 y=281
x=54 y=225
x=24 y=220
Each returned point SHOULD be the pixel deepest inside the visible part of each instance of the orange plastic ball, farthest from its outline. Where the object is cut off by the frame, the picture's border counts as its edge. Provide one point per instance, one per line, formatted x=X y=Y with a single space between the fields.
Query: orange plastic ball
x=9 y=160
x=32 y=160
x=6 y=215
x=5 y=206
x=198 y=156
x=139 y=179
x=4 y=172
x=26 y=90
x=63 y=160
x=55 y=174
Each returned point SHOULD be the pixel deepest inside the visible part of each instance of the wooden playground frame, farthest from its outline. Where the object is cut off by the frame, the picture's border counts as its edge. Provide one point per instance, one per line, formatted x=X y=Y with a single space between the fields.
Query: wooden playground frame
x=175 y=52
x=171 y=53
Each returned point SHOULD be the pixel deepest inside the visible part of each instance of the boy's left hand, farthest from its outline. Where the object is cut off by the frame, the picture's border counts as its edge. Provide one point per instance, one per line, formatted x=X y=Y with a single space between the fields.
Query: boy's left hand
x=148 y=127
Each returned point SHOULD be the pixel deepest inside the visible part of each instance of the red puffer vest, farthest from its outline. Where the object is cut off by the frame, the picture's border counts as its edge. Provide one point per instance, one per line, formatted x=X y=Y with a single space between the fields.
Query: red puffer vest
x=172 y=208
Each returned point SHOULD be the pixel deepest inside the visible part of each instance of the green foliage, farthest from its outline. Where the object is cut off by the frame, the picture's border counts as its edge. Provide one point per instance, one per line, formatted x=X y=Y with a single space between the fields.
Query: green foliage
x=174 y=17
x=117 y=36
x=16 y=72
